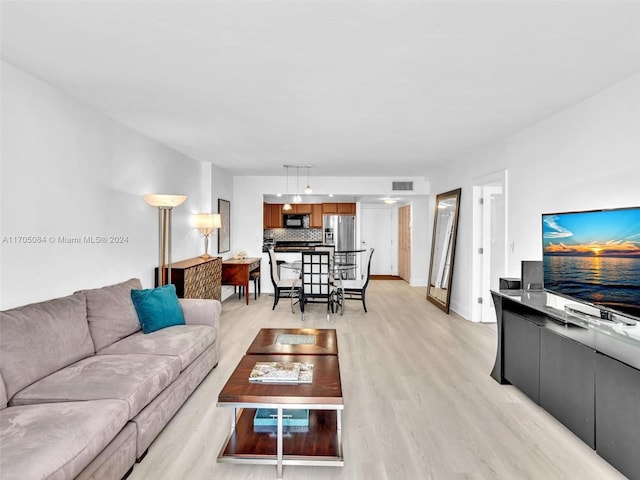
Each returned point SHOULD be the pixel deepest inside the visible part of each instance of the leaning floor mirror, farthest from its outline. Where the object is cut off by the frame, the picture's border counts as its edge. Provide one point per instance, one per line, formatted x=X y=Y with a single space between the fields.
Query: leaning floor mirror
x=443 y=248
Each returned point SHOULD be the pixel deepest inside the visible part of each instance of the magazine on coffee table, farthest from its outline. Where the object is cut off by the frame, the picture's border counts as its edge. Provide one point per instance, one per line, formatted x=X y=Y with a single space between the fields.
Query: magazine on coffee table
x=281 y=372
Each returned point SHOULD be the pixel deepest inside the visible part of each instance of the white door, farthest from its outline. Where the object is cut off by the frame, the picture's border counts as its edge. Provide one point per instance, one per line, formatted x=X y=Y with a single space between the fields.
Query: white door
x=489 y=243
x=378 y=231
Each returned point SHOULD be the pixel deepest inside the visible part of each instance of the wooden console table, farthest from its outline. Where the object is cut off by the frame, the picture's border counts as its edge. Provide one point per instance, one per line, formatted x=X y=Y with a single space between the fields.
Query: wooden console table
x=238 y=272
x=197 y=277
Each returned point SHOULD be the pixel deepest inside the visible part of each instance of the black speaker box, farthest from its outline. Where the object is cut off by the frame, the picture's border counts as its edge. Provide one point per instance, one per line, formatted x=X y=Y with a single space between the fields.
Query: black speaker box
x=510 y=284
x=532 y=275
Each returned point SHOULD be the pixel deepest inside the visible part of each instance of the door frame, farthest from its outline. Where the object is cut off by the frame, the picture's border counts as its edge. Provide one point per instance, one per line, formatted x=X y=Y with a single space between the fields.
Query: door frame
x=482 y=279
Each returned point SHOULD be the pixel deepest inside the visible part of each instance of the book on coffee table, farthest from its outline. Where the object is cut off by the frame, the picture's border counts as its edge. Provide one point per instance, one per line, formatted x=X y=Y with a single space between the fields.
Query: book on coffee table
x=281 y=372
x=266 y=420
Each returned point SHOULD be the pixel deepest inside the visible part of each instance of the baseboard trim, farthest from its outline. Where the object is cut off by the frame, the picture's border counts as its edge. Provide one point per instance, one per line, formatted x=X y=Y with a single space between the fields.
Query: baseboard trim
x=385 y=277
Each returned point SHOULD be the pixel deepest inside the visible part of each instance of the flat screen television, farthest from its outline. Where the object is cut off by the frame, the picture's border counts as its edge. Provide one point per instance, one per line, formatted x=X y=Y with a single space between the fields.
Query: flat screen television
x=594 y=257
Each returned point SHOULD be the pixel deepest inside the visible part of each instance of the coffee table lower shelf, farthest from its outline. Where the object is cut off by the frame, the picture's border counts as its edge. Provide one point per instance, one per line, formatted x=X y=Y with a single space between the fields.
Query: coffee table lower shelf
x=320 y=445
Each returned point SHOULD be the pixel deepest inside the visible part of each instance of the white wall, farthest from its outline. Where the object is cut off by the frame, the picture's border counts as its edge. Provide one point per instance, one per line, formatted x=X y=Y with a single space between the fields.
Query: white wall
x=585 y=157
x=221 y=184
x=420 y=241
x=68 y=171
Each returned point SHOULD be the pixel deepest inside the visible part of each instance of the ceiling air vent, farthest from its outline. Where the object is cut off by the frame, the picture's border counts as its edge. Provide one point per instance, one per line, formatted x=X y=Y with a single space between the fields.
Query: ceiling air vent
x=402 y=186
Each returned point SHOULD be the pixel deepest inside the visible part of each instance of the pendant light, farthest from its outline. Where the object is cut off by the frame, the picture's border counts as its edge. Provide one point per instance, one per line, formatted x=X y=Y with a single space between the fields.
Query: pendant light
x=297 y=198
x=287 y=205
x=307 y=189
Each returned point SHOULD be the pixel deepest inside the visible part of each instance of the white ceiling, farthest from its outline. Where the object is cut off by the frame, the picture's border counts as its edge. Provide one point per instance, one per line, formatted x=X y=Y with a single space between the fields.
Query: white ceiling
x=383 y=88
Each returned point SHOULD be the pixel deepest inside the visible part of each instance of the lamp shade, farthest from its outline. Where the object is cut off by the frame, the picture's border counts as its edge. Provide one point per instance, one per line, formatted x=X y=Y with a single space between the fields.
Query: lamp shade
x=207 y=220
x=164 y=200
x=165 y=204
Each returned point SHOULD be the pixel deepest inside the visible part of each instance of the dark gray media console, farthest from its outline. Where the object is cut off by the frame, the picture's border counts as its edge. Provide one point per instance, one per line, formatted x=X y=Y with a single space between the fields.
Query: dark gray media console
x=584 y=373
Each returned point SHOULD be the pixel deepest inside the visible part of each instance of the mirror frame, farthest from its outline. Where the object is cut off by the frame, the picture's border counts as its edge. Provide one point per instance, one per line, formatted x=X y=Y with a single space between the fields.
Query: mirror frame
x=439 y=300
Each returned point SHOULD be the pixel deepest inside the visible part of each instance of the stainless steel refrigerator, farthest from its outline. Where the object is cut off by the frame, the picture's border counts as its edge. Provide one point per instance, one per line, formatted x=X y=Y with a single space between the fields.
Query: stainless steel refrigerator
x=340 y=231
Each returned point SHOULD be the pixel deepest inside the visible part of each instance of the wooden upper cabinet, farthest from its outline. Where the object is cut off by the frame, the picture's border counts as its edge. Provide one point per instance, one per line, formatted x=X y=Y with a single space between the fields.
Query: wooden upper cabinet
x=329 y=208
x=272 y=212
x=316 y=215
x=272 y=215
x=301 y=208
x=339 y=208
x=346 y=208
x=276 y=215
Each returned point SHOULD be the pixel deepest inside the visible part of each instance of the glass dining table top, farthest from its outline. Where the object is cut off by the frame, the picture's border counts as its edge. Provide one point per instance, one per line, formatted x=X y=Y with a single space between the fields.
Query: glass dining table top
x=297 y=265
x=342 y=260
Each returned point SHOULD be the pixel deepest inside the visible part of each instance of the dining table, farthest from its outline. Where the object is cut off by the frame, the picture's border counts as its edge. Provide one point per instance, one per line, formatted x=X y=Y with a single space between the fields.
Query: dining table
x=338 y=271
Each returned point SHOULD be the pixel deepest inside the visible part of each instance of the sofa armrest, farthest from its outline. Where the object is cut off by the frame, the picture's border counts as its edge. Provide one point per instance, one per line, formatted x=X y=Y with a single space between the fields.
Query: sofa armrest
x=201 y=311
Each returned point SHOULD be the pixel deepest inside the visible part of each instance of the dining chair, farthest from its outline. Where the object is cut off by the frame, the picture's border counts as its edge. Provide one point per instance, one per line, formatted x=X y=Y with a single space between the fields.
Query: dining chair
x=328 y=248
x=286 y=286
x=357 y=289
x=316 y=280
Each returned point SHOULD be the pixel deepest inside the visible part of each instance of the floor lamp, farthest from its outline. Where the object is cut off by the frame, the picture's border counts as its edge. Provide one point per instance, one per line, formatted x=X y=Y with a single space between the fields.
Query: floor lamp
x=165 y=204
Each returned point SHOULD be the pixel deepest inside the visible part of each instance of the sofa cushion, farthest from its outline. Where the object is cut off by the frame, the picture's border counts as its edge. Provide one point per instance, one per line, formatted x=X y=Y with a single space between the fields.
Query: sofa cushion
x=116 y=459
x=41 y=338
x=137 y=379
x=56 y=441
x=3 y=393
x=156 y=415
x=186 y=342
x=200 y=311
x=157 y=308
x=110 y=312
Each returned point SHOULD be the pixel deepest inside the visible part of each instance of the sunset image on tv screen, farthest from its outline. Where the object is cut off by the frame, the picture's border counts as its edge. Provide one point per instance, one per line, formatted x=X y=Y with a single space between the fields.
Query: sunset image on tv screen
x=594 y=256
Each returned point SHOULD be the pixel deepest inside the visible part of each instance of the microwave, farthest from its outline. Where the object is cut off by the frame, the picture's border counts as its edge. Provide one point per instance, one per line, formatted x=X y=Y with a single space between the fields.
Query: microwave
x=295 y=221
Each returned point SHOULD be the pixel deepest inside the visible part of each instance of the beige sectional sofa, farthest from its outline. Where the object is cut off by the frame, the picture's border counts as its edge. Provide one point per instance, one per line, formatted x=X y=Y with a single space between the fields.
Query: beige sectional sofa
x=83 y=392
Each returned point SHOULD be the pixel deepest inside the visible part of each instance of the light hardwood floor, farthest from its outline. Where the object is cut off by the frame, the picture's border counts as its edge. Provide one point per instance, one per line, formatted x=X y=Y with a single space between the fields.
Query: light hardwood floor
x=419 y=402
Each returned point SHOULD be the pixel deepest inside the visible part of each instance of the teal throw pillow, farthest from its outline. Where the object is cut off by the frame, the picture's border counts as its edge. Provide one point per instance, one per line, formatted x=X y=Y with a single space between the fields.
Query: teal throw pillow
x=157 y=308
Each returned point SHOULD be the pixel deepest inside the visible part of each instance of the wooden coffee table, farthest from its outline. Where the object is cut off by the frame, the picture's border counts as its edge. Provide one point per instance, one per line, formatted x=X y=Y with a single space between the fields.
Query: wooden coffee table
x=295 y=341
x=320 y=444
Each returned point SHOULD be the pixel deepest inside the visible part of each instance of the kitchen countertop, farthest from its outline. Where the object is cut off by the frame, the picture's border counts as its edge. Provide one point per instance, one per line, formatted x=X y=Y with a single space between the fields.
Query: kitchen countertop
x=294 y=246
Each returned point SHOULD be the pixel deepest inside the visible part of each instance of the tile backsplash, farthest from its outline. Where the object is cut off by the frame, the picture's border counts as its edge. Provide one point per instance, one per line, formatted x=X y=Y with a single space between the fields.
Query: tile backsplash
x=294 y=234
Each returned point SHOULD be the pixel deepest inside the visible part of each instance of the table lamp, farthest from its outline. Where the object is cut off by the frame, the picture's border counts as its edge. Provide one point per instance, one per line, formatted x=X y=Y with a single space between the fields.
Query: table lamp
x=207 y=223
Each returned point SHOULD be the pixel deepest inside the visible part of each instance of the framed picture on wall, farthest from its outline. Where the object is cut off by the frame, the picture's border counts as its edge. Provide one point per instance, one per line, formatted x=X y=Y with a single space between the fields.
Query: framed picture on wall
x=224 y=234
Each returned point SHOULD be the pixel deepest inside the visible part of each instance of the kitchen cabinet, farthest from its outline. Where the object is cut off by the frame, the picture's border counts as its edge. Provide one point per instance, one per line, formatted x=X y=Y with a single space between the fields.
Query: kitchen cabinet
x=329 y=208
x=339 y=208
x=346 y=209
x=272 y=212
x=272 y=215
x=300 y=208
x=316 y=215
